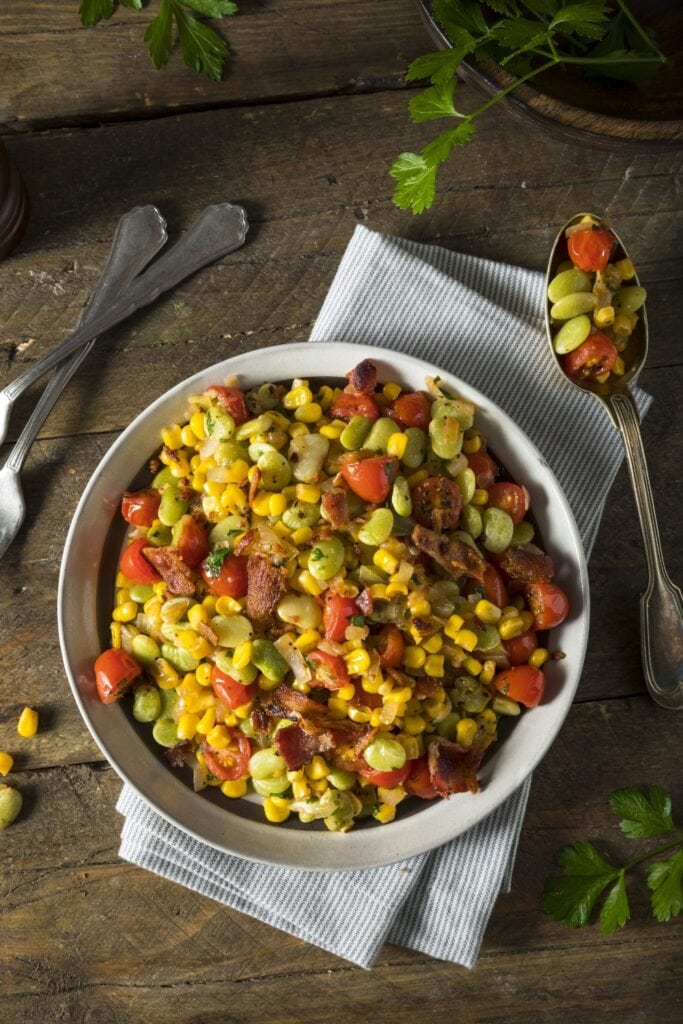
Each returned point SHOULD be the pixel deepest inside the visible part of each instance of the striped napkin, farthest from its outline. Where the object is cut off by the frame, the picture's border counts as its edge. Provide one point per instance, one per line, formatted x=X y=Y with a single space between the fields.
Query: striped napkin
x=481 y=321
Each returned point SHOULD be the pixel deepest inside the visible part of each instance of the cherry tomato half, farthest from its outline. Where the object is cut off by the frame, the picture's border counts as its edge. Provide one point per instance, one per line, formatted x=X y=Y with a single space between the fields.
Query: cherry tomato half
x=330 y=670
x=232 y=400
x=419 y=781
x=230 y=580
x=385 y=779
x=390 y=646
x=347 y=406
x=371 y=479
x=494 y=586
x=523 y=683
x=115 y=670
x=190 y=538
x=413 y=410
x=591 y=249
x=520 y=648
x=484 y=469
x=595 y=356
x=549 y=604
x=135 y=566
x=337 y=616
x=139 y=508
x=511 y=498
x=232 y=762
x=231 y=691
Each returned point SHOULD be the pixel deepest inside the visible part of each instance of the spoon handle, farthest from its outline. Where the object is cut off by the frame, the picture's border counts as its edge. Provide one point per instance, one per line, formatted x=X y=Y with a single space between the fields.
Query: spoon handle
x=661 y=606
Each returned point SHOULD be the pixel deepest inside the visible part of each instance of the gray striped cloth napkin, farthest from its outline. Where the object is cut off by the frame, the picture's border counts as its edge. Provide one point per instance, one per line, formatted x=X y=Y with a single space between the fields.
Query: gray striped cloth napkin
x=483 y=322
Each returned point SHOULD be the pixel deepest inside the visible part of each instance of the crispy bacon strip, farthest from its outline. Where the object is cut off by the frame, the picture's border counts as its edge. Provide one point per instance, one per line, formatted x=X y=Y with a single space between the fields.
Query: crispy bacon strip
x=336 y=507
x=208 y=632
x=452 y=768
x=299 y=747
x=363 y=378
x=527 y=566
x=364 y=601
x=171 y=567
x=266 y=584
x=178 y=755
x=457 y=558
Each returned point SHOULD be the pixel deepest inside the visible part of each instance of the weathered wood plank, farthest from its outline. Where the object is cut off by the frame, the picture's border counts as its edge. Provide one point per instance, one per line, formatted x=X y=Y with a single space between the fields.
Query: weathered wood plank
x=175 y=951
x=105 y=73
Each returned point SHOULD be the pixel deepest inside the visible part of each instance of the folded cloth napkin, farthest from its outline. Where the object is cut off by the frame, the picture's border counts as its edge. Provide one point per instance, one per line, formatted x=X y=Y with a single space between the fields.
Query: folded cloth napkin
x=483 y=322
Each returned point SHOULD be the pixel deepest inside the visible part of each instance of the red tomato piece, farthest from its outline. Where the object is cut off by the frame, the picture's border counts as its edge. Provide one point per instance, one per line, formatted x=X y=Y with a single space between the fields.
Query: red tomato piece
x=520 y=648
x=190 y=538
x=232 y=762
x=232 y=400
x=511 y=498
x=139 y=508
x=484 y=469
x=229 y=579
x=390 y=646
x=591 y=249
x=419 y=781
x=337 y=616
x=385 y=779
x=231 y=691
x=494 y=586
x=413 y=410
x=330 y=670
x=371 y=479
x=349 y=405
x=549 y=604
x=135 y=566
x=524 y=683
x=595 y=356
x=115 y=670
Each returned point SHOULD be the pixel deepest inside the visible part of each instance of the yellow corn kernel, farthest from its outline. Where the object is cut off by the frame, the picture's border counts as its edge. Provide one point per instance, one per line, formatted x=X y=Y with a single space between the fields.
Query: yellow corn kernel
x=274 y=812
x=115 y=632
x=378 y=591
x=267 y=684
x=527 y=620
x=121 y=580
x=309 y=583
x=434 y=666
x=307 y=641
x=301 y=536
x=213 y=488
x=207 y=721
x=164 y=675
x=412 y=745
x=300 y=788
x=27 y=726
x=218 y=737
x=234 y=789
x=511 y=627
x=391 y=796
x=417 y=477
x=234 y=499
x=539 y=657
x=308 y=493
x=333 y=430
x=623 y=323
x=297 y=397
x=385 y=813
x=472 y=666
x=180 y=468
x=277 y=503
x=186 y=639
x=357 y=662
x=487 y=612
x=453 y=626
x=122 y=596
x=619 y=367
x=243 y=711
x=433 y=644
x=237 y=471
x=6 y=762
x=414 y=657
x=465 y=731
x=396 y=590
x=397 y=444
x=466 y=639
x=318 y=768
x=419 y=606
x=125 y=612
x=188 y=437
x=311 y=412
x=604 y=317
x=228 y=605
x=298 y=429
x=196 y=614
x=385 y=561
x=171 y=437
x=488 y=671
x=260 y=503
x=197 y=424
x=337 y=707
x=242 y=655
x=208 y=603
x=376 y=718
x=626 y=269
x=190 y=684
x=472 y=444
x=399 y=695
x=198 y=480
x=359 y=714
x=159 y=588
x=480 y=497
x=187 y=726
x=602 y=377
x=391 y=390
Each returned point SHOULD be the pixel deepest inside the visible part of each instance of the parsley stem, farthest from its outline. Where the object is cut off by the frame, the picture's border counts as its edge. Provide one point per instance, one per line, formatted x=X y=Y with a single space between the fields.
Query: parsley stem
x=513 y=85
x=641 y=31
x=653 y=853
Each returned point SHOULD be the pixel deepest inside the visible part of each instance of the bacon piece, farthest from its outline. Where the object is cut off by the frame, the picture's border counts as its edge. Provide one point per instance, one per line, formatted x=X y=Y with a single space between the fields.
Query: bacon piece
x=364 y=601
x=254 y=483
x=299 y=747
x=286 y=702
x=266 y=584
x=527 y=566
x=426 y=687
x=452 y=768
x=208 y=632
x=362 y=378
x=178 y=755
x=171 y=567
x=457 y=558
x=336 y=507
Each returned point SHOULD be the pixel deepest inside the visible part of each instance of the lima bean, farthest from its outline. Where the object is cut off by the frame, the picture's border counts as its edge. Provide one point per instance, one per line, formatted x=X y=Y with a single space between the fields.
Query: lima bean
x=165 y=732
x=467 y=482
x=10 y=805
x=142 y=592
x=163 y=478
x=471 y=521
x=171 y=507
x=159 y=536
x=301 y=513
x=458 y=407
x=445 y=434
x=416 y=448
x=276 y=471
x=228 y=452
x=244 y=675
x=400 y=497
x=327 y=558
x=573 y=305
x=629 y=299
x=232 y=630
x=146 y=702
x=266 y=763
x=266 y=657
x=378 y=527
x=571 y=334
x=488 y=637
x=219 y=425
x=181 y=660
x=522 y=534
x=300 y=610
x=498 y=527
x=226 y=528
x=385 y=754
x=145 y=649
x=271 y=787
x=355 y=432
x=569 y=282
x=378 y=438
x=259 y=425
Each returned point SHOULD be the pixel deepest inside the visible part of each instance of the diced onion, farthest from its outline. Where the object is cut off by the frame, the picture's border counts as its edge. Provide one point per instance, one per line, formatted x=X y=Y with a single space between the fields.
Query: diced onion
x=294 y=658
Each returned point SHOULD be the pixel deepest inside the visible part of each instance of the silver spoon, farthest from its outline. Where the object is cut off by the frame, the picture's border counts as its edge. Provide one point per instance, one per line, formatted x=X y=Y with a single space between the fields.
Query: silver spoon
x=661 y=606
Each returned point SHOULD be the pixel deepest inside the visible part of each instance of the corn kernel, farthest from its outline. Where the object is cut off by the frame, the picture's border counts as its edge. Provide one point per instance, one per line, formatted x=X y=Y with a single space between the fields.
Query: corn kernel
x=626 y=269
x=472 y=444
x=273 y=812
x=434 y=666
x=307 y=641
x=187 y=726
x=433 y=644
x=6 y=762
x=187 y=436
x=125 y=612
x=391 y=391
x=260 y=503
x=171 y=437
x=384 y=813
x=396 y=590
x=196 y=614
x=297 y=397
x=159 y=588
x=242 y=655
x=472 y=666
x=480 y=497
x=623 y=324
x=318 y=768
x=234 y=789
x=357 y=662
x=27 y=726
x=207 y=721
x=414 y=657
x=218 y=737
x=311 y=412
x=399 y=695
x=419 y=606
x=300 y=789
x=417 y=477
x=539 y=657
x=309 y=583
x=488 y=671
x=268 y=684
x=277 y=503
x=412 y=745
x=467 y=639
x=453 y=626
x=378 y=591
x=487 y=612
x=619 y=368
x=604 y=317
x=122 y=596
x=391 y=796
x=337 y=707
x=465 y=731
x=228 y=605
x=164 y=675
x=234 y=499
x=397 y=444
x=385 y=561
x=115 y=632
x=237 y=472
x=190 y=684
x=511 y=627
x=332 y=430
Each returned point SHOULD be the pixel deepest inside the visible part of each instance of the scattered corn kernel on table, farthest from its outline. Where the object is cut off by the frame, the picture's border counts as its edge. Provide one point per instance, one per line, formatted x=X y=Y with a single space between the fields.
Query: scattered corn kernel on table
x=303 y=130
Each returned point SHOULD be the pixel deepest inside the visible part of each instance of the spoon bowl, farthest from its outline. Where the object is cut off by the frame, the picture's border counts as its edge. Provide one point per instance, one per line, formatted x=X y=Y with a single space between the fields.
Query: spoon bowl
x=661 y=606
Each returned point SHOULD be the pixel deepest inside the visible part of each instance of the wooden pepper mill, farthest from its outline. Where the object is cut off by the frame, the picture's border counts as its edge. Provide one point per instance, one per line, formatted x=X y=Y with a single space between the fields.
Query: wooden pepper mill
x=14 y=208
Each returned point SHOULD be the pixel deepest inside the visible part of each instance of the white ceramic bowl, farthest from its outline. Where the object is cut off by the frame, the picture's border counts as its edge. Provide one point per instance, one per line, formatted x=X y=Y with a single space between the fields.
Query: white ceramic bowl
x=237 y=826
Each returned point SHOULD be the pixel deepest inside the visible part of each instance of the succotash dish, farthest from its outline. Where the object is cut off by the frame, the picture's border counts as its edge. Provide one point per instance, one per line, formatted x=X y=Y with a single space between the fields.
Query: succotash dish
x=593 y=304
x=329 y=596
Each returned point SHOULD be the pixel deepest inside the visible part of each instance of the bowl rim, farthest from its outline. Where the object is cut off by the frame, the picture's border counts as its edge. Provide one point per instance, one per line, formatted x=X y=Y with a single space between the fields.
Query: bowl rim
x=169 y=796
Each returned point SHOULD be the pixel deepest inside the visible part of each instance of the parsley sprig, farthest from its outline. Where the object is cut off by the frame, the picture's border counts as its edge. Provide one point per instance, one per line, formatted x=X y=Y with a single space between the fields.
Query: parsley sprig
x=571 y=897
x=202 y=48
x=526 y=38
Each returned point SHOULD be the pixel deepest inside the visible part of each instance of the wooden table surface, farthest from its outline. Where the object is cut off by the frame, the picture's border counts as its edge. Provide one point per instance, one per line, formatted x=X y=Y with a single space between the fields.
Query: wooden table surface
x=301 y=131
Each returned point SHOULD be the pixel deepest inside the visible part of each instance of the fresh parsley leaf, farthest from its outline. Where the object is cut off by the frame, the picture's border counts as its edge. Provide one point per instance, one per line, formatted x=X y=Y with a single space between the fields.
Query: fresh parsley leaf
x=585 y=19
x=435 y=102
x=202 y=48
x=467 y=14
x=571 y=897
x=541 y=8
x=209 y=423
x=519 y=33
x=92 y=11
x=212 y=8
x=665 y=879
x=214 y=561
x=416 y=182
x=615 y=910
x=317 y=554
x=357 y=620
x=439 y=67
x=643 y=818
x=132 y=5
x=159 y=35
